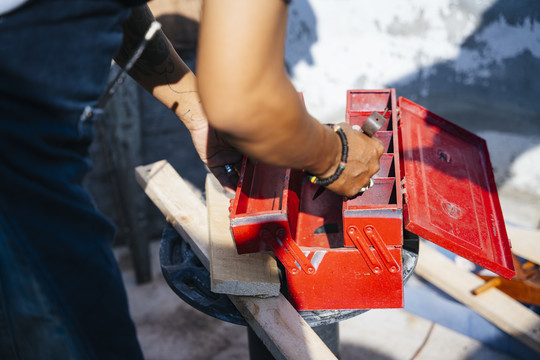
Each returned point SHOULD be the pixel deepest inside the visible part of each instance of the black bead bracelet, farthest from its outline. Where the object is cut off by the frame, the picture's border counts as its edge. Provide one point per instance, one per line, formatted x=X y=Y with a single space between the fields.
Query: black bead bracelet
x=344 y=154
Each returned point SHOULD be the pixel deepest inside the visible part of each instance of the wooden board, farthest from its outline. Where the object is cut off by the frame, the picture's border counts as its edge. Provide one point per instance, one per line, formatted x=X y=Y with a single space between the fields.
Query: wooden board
x=274 y=320
x=497 y=307
x=284 y=332
x=525 y=243
x=230 y=273
x=183 y=209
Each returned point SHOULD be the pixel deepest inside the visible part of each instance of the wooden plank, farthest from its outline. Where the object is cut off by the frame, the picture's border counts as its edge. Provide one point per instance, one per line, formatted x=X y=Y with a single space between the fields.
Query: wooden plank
x=284 y=332
x=230 y=273
x=274 y=320
x=497 y=307
x=525 y=243
x=180 y=205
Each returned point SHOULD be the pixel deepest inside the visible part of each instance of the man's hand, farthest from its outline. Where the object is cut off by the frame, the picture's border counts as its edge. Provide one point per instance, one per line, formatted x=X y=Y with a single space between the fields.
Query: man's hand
x=215 y=152
x=362 y=163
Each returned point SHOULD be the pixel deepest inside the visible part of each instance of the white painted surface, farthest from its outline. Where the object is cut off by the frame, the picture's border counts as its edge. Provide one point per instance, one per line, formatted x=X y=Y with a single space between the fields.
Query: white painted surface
x=337 y=45
x=518 y=160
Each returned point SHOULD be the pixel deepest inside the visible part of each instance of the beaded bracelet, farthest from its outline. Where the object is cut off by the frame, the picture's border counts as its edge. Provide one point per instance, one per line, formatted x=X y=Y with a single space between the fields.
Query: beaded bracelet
x=344 y=154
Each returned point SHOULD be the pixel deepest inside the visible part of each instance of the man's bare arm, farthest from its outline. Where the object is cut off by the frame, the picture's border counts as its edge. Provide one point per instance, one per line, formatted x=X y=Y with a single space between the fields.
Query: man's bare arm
x=160 y=70
x=163 y=74
x=247 y=95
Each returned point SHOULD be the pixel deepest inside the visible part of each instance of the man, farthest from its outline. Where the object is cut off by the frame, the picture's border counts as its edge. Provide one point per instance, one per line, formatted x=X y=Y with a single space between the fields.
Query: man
x=61 y=292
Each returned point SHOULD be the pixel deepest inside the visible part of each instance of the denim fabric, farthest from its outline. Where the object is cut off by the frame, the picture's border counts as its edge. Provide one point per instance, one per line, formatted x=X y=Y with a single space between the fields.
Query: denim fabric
x=30 y=324
x=54 y=60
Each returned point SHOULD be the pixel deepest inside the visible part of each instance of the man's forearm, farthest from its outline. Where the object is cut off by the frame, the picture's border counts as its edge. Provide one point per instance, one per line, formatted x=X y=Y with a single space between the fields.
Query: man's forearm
x=246 y=92
x=160 y=70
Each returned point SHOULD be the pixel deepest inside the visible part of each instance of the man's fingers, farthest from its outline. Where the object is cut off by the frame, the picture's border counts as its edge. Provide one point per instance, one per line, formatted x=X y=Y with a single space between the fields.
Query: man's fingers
x=227 y=180
x=228 y=175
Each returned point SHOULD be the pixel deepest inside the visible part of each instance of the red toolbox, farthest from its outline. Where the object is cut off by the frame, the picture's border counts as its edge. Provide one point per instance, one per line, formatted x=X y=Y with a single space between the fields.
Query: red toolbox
x=435 y=180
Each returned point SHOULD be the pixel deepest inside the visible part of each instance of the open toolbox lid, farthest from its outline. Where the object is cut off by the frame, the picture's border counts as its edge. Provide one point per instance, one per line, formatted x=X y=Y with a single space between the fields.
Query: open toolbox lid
x=449 y=190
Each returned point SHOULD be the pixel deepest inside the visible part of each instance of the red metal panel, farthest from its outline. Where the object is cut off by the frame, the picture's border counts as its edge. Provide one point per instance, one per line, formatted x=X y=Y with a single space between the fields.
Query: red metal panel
x=379 y=194
x=345 y=281
x=359 y=101
x=388 y=222
x=450 y=193
x=320 y=221
x=386 y=162
x=265 y=195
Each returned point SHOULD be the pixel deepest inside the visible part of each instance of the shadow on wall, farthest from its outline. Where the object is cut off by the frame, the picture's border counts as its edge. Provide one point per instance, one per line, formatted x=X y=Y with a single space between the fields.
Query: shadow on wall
x=492 y=77
x=301 y=34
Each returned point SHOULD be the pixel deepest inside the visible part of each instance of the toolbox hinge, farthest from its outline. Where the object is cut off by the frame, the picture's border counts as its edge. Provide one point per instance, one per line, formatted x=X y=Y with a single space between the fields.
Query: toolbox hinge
x=287 y=251
x=403 y=187
x=370 y=237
